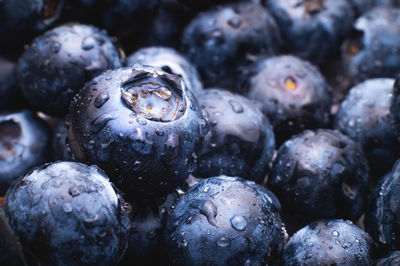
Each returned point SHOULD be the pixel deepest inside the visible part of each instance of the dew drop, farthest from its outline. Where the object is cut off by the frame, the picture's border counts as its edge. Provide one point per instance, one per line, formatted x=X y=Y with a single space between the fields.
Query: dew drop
x=236 y=107
x=223 y=242
x=210 y=211
x=235 y=22
x=67 y=207
x=101 y=100
x=74 y=191
x=335 y=233
x=239 y=223
x=100 y=122
x=56 y=47
x=88 y=43
x=141 y=121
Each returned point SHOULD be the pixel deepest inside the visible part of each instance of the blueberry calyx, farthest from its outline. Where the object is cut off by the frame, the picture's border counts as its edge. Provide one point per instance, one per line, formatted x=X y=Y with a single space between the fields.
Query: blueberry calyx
x=154 y=98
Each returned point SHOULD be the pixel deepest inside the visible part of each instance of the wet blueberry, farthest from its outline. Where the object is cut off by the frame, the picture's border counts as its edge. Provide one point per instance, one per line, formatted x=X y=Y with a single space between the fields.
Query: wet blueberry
x=391 y=259
x=67 y=213
x=320 y=174
x=141 y=125
x=293 y=94
x=330 y=242
x=21 y=20
x=240 y=141
x=365 y=117
x=170 y=61
x=222 y=40
x=395 y=108
x=382 y=219
x=24 y=143
x=60 y=62
x=373 y=48
x=224 y=221
x=312 y=29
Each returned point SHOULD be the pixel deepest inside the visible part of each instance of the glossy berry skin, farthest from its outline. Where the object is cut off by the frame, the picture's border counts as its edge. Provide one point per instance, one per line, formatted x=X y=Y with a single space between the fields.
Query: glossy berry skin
x=330 y=242
x=224 y=221
x=365 y=116
x=170 y=61
x=60 y=62
x=67 y=213
x=25 y=142
x=320 y=174
x=372 y=50
x=312 y=29
x=382 y=217
x=21 y=20
x=222 y=40
x=361 y=6
x=240 y=141
x=292 y=92
x=141 y=125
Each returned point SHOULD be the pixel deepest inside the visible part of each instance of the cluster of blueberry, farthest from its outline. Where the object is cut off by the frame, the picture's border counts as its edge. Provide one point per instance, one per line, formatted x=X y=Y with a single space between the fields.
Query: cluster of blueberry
x=252 y=132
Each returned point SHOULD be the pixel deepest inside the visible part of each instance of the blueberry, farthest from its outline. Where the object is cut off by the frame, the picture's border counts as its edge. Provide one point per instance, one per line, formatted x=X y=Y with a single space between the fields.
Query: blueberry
x=60 y=62
x=312 y=29
x=382 y=217
x=391 y=259
x=222 y=40
x=21 y=20
x=320 y=174
x=224 y=221
x=146 y=230
x=240 y=141
x=24 y=143
x=294 y=95
x=170 y=61
x=67 y=213
x=373 y=48
x=330 y=242
x=141 y=125
x=365 y=117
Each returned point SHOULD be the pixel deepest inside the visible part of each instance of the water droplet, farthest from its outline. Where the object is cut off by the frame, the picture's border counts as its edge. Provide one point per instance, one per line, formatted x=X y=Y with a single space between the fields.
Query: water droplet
x=141 y=121
x=101 y=99
x=159 y=132
x=235 y=22
x=238 y=222
x=210 y=211
x=100 y=122
x=88 y=43
x=67 y=207
x=223 y=241
x=56 y=47
x=335 y=233
x=236 y=107
x=74 y=191
x=307 y=256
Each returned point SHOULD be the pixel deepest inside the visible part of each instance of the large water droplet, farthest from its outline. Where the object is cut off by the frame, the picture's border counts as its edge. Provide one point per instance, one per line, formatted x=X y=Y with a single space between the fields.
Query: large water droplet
x=238 y=222
x=74 y=191
x=223 y=241
x=210 y=211
x=236 y=107
x=100 y=122
x=101 y=99
x=67 y=207
x=56 y=47
x=88 y=43
x=235 y=22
